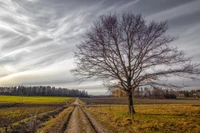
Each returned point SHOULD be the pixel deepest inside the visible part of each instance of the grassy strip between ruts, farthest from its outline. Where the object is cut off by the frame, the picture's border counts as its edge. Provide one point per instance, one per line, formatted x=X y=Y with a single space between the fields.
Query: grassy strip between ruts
x=33 y=99
x=149 y=118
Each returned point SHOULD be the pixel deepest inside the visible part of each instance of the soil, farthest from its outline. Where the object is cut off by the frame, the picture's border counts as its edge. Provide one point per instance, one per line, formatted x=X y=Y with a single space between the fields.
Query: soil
x=124 y=101
x=81 y=122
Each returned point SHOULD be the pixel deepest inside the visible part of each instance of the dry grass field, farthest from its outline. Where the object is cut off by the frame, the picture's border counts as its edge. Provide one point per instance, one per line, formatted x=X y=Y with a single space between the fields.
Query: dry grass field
x=153 y=115
x=166 y=118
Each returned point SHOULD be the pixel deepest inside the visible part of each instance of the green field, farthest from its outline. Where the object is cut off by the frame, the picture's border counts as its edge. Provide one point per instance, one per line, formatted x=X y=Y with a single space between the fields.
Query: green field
x=33 y=99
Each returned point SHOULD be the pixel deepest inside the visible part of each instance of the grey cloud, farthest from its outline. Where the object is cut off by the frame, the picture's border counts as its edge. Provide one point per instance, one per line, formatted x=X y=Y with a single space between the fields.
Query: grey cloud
x=189 y=40
x=152 y=7
x=178 y=11
x=184 y=82
x=187 y=20
x=55 y=81
x=9 y=60
x=14 y=43
x=39 y=34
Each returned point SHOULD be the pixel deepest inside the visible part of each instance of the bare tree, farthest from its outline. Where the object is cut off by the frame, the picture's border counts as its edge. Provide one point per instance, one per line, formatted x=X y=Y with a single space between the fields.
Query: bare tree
x=129 y=52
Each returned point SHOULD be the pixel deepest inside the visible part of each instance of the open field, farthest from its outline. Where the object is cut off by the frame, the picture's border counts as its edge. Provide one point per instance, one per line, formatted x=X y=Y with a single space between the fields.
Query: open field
x=124 y=101
x=16 y=110
x=108 y=115
x=149 y=118
x=152 y=115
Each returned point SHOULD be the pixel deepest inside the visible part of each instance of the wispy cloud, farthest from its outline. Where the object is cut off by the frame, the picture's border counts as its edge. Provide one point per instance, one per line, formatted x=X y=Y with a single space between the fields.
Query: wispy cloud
x=38 y=37
x=178 y=11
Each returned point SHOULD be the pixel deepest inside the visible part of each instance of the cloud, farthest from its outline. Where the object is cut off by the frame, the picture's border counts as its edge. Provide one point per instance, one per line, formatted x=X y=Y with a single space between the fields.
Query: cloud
x=56 y=73
x=178 y=11
x=38 y=37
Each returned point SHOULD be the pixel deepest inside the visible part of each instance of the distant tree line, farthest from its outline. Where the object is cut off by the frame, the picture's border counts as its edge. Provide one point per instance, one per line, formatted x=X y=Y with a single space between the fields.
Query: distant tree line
x=157 y=93
x=41 y=91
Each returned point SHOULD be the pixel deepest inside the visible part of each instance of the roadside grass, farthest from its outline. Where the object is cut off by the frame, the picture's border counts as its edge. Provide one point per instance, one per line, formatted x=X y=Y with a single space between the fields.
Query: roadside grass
x=34 y=99
x=56 y=124
x=149 y=118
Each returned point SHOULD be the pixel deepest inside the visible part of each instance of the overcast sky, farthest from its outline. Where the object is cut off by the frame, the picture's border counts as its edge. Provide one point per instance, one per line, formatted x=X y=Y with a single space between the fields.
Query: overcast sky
x=38 y=37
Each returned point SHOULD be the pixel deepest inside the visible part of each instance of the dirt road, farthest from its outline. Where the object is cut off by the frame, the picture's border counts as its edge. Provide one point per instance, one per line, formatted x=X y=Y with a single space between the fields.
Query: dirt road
x=81 y=122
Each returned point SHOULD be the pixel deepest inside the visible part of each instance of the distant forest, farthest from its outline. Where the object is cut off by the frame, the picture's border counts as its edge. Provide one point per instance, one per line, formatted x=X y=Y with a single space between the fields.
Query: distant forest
x=41 y=91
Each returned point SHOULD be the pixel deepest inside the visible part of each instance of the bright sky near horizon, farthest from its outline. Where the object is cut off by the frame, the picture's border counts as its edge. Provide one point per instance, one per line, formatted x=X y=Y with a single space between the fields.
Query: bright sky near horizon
x=38 y=37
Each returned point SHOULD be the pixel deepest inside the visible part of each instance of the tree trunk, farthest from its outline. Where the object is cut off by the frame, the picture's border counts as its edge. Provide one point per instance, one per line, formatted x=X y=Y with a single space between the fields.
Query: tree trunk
x=130 y=103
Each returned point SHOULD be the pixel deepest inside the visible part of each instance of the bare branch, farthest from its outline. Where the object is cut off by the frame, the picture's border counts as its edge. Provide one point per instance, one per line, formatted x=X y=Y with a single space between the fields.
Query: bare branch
x=130 y=52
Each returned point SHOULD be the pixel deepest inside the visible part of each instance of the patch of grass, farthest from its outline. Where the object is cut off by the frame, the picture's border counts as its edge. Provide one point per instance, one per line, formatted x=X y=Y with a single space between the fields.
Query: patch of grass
x=56 y=124
x=34 y=99
x=81 y=102
x=149 y=118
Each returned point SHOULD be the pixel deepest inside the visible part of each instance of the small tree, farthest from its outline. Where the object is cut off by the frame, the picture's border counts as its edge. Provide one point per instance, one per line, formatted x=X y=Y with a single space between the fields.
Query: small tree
x=129 y=52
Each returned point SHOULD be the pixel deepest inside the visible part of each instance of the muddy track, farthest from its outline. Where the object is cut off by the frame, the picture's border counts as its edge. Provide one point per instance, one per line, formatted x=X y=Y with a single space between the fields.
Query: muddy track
x=9 y=105
x=80 y=121
x=38 y=119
